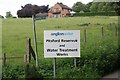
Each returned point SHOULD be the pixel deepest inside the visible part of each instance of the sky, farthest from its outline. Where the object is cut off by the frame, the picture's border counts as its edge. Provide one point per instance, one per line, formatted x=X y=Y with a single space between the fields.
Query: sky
x=14 y=5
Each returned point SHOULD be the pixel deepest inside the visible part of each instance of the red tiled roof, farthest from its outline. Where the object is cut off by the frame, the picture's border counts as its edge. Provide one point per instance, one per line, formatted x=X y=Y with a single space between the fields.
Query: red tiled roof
x=64 y=6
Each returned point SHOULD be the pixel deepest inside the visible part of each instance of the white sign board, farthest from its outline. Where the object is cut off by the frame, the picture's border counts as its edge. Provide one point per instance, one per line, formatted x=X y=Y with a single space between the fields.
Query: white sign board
x=61 y=43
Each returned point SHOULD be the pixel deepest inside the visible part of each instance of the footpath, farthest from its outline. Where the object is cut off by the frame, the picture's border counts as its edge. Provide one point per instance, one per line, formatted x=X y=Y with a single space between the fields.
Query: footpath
x=113 y=76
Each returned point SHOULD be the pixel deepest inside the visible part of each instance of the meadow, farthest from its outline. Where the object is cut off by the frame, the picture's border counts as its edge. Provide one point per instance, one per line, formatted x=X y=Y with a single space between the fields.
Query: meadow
x=95 y=57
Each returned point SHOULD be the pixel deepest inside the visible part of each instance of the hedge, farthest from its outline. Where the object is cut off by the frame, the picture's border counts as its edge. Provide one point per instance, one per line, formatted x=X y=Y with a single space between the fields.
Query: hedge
x=96 y=14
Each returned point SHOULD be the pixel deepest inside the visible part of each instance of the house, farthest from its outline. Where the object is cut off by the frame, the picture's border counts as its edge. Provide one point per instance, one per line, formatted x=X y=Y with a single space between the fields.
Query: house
x=59 y=10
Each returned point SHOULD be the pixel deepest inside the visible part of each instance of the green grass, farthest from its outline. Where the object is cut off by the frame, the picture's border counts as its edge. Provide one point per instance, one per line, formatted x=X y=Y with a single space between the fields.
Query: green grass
x=15 y=32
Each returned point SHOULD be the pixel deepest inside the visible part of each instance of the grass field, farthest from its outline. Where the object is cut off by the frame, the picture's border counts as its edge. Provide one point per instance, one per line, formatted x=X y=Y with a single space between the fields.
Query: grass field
x=15 y=32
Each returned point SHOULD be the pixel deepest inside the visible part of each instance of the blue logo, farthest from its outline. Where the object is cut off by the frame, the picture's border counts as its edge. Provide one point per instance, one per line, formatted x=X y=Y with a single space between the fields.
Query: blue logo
x=61 y=34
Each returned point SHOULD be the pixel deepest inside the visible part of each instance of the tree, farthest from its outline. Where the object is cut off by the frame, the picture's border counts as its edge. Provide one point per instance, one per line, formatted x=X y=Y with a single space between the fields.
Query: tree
x=77 y=7
x=109 y=6
x=100 y=6
x=8 y=14
x=86 y=8
x=117 y=9
x=89 y=4
x=104 y=9
x=115 y=6
x=1 y=16
x=59 y=3
x=28 y=10
x=94 y=7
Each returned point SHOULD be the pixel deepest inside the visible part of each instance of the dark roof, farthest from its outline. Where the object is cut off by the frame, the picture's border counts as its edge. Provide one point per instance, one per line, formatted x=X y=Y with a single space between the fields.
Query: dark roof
x=64 y=6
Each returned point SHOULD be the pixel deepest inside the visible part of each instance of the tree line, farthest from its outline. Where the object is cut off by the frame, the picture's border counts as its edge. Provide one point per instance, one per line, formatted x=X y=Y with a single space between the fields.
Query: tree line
x=95 y=7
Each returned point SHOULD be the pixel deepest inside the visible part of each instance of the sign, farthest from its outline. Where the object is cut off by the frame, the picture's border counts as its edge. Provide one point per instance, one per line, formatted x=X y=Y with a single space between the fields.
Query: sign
x=61 y=43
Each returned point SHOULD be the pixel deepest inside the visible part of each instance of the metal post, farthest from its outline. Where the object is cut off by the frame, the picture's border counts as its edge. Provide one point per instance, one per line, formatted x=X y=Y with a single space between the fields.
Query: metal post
x=54 y=68
x=35 y=41
x=75 y=62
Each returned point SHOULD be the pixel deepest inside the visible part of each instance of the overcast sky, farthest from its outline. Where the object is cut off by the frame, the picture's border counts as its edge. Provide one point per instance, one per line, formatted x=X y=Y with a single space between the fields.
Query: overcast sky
x=14 y=5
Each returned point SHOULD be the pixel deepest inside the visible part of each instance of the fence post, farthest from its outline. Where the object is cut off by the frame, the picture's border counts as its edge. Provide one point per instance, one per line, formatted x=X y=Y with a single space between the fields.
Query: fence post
x=102 y=32
x=116 y=33
x=84 y=37
x=4 y=59
x=25 y=58
x=75 y=64
x=28 y=56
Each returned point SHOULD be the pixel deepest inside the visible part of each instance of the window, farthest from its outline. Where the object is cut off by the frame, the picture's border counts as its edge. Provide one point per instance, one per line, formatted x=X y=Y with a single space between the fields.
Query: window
x=55 y=10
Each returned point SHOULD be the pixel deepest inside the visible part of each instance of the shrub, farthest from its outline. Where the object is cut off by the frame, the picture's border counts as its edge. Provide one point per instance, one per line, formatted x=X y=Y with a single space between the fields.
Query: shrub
x=13 y=72
x=1 y=16
x=46 y=70
x=81 y=73
x=31 y=72
x=21 y=72
x=14 y=17
x=104 y=63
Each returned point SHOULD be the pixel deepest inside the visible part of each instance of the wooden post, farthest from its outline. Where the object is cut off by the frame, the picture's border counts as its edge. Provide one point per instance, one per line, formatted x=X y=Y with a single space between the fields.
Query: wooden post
x=4 y=59
x=25 y=58
x=116 y=33
x=28 y=56
x=84 y=37
x=102 y=32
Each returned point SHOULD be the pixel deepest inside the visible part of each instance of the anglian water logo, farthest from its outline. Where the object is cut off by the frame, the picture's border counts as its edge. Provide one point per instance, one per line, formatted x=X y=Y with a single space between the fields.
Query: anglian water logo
x=61 y=33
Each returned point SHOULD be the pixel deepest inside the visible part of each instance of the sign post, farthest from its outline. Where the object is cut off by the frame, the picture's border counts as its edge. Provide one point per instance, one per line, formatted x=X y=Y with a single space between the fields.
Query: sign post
x=35 y=41
x=61 y=44
x=54 y=68
x=75 y=65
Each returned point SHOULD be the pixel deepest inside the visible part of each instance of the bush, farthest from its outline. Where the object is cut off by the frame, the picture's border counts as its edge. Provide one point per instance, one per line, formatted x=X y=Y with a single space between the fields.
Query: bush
x=12 y=72
x=1 y=16
x=104 y=63
x=31 y=72
x=21 y=72
x=81 y=73
x=14 y=17
x=46 y=70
